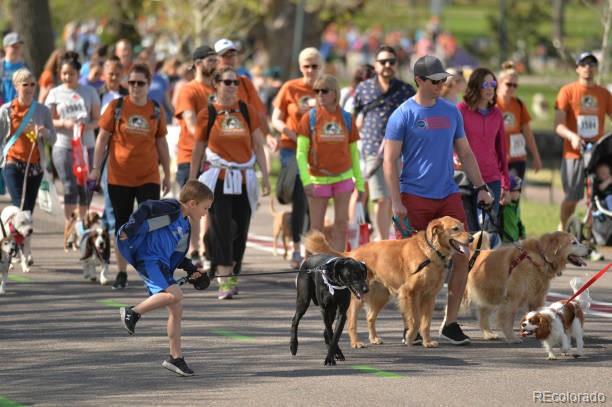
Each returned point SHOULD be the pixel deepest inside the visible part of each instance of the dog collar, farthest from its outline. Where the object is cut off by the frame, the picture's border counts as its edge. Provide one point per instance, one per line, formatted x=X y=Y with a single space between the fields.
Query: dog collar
x=431 y=246
x=332 y=288
x=19 y=238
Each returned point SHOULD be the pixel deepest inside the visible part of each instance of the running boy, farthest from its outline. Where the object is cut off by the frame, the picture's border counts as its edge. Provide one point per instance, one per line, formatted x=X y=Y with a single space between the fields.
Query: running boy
x=154 y=241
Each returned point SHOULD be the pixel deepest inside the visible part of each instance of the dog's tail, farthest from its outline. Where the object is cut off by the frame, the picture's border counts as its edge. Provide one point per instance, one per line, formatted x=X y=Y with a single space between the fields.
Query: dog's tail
x=315 y=242
x=272 y=209
x=583 y=299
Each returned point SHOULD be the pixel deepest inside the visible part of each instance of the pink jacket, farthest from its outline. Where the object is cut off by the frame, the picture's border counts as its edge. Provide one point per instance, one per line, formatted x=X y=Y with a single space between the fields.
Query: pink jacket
x=485 y=133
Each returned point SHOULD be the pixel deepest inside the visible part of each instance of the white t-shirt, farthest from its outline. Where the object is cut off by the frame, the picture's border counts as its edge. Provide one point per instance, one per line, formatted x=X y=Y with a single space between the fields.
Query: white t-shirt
x=75 y=104
x=107 y=98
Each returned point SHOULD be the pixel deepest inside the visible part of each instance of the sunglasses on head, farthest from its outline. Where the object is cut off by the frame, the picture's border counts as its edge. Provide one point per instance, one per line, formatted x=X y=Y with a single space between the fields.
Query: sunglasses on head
x=389 y=61
x=139 y=84
x=229 y=82
x=512 y=85
x=487 y=85
x=313 y=66
x=322 y=91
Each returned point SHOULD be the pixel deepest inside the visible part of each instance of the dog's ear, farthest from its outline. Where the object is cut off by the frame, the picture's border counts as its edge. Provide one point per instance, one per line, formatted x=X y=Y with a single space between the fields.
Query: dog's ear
x=434 y=228
x=543 y=329
x=89 y=247
x=552 y=243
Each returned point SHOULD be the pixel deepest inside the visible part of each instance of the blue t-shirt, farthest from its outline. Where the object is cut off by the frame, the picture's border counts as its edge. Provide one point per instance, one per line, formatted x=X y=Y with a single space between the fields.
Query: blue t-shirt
x=428 y=135
x=8 y=90
x=162 y=243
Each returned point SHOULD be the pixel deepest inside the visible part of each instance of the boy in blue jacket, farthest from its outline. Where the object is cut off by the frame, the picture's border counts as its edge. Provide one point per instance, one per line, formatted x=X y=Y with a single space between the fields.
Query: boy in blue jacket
x=154 y=241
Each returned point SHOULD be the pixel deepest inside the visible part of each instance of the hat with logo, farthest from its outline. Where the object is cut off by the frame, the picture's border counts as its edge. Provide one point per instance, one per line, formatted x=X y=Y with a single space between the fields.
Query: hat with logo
x=430 y=67
x=224 y=45
x=12 y=39
x=202 y=52
x=586 y=55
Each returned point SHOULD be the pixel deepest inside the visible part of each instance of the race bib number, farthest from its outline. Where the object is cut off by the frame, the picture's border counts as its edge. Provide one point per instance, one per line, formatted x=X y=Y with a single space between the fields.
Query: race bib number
x=588 y=126
x=517 y=145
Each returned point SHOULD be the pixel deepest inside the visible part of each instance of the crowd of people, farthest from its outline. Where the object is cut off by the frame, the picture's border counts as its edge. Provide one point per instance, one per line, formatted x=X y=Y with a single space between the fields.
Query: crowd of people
x=453 y=146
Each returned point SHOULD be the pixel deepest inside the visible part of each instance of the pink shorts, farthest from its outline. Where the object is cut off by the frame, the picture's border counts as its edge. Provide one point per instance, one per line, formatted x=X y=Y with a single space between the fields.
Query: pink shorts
x=332 y=190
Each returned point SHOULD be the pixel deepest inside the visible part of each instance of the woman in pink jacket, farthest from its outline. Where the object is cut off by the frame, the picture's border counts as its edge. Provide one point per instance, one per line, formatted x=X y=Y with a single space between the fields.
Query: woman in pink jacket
x=484 y=128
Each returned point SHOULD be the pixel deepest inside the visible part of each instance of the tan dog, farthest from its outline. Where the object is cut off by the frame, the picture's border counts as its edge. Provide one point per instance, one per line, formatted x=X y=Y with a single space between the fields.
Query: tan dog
x=72 y=236
x=514 y=277
x=411 y=269
x=281 y=227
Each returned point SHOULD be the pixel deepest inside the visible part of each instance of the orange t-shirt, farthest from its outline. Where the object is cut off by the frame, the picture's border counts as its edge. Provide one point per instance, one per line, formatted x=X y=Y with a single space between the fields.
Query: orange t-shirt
x=329 y=148
x=133 y=160
x=585 y=108
x=294 y=99
x=248 y=94
x=22 y=147
x=193 y=96
x=46 y=79
x=515 y=117
x=230 y=136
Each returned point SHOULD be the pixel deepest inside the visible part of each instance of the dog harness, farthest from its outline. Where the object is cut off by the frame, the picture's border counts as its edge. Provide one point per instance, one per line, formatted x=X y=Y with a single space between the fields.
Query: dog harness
x=427 y=262
x=18 y=237
x=524 y=255
x=332 y=288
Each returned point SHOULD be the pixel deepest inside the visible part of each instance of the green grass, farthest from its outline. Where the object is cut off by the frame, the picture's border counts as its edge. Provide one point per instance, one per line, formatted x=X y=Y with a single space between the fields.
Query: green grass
x=539 y=217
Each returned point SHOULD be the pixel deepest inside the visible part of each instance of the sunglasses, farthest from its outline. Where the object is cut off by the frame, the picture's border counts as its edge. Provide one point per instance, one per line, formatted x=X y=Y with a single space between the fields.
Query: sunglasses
x=138 y=84
x=313 y=66
x=322 y=91
x=229 y=82
x=389 y=61
x=487 y=85
x=434 y=82
x=592 y=64
x=512 y=85
x=28 y=84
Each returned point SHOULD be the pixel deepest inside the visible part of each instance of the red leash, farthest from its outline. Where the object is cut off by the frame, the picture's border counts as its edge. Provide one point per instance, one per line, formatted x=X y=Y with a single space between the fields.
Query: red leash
x=590 y=282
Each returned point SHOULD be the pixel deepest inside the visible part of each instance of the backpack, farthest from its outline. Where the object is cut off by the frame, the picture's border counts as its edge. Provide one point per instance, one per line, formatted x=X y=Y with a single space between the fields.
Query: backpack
x=312 y=120
x=212 y=115
x=119 y=106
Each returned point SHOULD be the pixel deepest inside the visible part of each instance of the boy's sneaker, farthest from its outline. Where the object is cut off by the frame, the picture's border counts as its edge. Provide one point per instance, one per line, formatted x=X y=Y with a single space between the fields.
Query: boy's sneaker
x=225 y=294
x=178 y=366
x=120 y=281
x=129 y=318
x=417 y=340
x=454 y=334
x=233 y=281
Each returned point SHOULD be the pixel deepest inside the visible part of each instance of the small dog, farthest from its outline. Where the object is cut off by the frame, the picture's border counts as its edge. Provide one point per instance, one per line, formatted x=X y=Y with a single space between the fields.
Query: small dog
x=8 y=249
x=281 y=227
x=95 y=253
x=74 y=228
x=555 y=325
x=328 y=281
x=19 y=225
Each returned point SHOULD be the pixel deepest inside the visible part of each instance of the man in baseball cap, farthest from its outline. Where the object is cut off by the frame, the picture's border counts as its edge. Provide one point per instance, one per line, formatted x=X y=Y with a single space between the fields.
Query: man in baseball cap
x=586 y=57
x=203 y=52
x=430 y=67
x=224 y=45
x=13 y=60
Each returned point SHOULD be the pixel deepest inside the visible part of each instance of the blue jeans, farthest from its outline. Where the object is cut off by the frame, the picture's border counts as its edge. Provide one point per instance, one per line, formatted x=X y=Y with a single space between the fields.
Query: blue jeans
x=474 y=216
x=13 y=178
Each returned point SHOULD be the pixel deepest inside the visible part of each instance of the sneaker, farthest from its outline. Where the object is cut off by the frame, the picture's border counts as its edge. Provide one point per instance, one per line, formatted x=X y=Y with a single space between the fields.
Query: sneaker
x=417 y=340
x=178 y=366
x=195 y=258
x=454 y=334
x=233 y=281
x=296 y=260
x=225 y=294
x=129 y=318
x=596 y=256
x=120 y=281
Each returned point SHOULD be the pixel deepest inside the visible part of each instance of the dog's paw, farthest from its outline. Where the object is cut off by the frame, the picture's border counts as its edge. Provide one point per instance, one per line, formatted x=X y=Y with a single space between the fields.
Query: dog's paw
x=551 y=357
x=490 y=336
x=339 y=355
x=430 y=344
x=25 y=269
x=376 y=341
x=330 y=361
x=30 y=261
x=358 y=345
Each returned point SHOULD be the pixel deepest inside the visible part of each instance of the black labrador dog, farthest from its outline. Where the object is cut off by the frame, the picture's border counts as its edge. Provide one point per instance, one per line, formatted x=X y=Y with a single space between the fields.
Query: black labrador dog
x=328 y=281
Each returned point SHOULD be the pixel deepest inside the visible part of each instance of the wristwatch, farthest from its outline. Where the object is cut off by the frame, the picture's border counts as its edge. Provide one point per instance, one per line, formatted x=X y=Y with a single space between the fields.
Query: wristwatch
x=483 y=187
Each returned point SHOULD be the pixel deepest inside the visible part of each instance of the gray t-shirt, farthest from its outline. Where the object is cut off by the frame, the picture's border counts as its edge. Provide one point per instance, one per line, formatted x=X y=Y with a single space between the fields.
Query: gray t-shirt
x=75 y=104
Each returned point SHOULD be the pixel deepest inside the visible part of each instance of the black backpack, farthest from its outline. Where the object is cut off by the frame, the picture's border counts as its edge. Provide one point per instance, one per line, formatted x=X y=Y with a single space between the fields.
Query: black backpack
x=212 y=115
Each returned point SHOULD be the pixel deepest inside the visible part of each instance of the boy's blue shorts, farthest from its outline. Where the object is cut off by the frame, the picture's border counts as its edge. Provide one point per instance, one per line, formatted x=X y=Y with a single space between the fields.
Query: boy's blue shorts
x=156 y=276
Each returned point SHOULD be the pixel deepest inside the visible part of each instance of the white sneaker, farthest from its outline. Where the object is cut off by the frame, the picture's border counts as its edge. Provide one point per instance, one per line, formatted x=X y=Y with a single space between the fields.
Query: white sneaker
x=596 y=256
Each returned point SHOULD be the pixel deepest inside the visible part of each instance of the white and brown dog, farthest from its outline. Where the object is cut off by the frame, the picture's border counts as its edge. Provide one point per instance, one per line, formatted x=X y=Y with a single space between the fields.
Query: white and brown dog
x=558 y=323
x=95 y=253
x=8 y=249
x=19 y=225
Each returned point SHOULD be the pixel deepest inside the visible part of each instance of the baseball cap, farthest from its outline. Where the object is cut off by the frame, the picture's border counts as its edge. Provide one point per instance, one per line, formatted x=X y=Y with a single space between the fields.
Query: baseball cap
x=430 y=67
x=202 y=52
x=12 y=39
x=584 y=56
x=224 y=45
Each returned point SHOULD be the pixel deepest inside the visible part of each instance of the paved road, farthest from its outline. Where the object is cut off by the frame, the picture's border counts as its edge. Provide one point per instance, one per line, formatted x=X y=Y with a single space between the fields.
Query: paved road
x=61 y=344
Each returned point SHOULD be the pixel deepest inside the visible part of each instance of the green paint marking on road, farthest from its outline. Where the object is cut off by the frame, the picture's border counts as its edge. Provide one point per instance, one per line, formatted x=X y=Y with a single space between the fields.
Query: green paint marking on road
x=232 y=335
x=376 y=372
x=112 y=303
x=18 y=278
x=4 y=402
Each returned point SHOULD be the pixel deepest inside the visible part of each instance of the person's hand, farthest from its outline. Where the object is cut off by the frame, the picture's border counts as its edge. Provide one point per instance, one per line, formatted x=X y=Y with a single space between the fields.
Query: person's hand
x=576 y=141
x=94 y=174
x=42 y=131
x=122 y=236
x=166 y=185
x=265 y=186
x=309 y=190
x=485 y=197
x=536 y=164
x=272 y=142
x=399 y=209
x=505 y=198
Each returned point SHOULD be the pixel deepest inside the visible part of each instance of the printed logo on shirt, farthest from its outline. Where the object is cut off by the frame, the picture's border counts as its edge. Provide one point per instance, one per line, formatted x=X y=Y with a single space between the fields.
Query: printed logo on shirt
x=332 y=131
x=433 y=123
x=588 y=102
x=232 y=126
x=138 y=124
x=305 y=102
x=509 y=120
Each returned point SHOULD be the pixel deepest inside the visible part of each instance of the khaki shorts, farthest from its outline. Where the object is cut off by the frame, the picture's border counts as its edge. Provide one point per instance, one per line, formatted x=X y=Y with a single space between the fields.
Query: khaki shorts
x=376 y=184
x=572 y=178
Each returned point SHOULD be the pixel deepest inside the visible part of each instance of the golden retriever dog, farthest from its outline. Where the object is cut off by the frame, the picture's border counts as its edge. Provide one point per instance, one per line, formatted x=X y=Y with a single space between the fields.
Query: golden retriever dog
x=281 y=228
x=412 y=270
x=514 y=277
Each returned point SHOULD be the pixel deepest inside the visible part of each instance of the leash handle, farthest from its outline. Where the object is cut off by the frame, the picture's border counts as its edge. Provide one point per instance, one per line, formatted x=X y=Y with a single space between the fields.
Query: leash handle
x=590 y=282
x=402 y=226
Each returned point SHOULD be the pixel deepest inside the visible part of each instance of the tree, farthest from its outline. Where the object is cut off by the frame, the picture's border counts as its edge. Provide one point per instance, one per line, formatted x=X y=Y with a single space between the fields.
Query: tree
x=32 y=20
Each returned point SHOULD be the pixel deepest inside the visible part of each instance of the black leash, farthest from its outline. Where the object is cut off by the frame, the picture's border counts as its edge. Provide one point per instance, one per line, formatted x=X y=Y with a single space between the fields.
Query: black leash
x=485 y=209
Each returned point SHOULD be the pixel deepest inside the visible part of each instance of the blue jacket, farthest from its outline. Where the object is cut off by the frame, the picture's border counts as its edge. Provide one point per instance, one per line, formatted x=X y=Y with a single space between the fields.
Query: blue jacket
x=152 y=215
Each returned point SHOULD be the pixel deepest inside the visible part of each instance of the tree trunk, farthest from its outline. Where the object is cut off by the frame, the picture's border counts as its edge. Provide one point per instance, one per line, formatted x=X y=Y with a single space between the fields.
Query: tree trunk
x=559 y=29
x=32 y=20
x=605 y=43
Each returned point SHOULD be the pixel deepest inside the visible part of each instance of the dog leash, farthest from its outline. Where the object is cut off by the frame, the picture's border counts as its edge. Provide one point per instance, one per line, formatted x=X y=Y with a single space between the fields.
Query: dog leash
x=590 y=282
x=27 y=168
x=402 y=226
x=484 y=210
